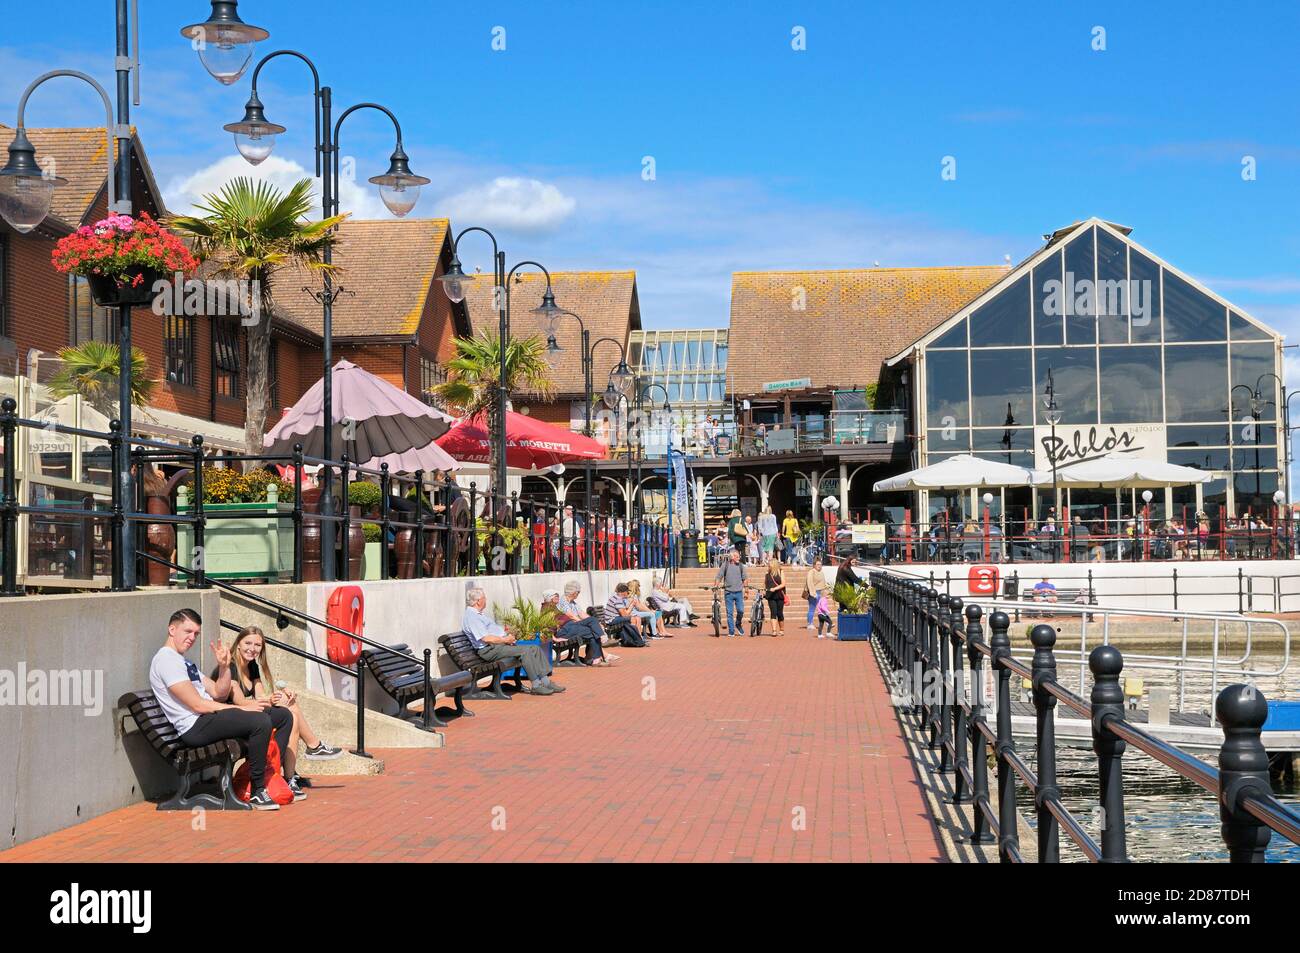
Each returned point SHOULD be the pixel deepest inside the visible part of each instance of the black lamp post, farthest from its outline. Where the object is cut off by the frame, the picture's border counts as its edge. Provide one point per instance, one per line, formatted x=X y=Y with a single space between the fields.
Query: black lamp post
x=26 y=192
x=454 y=286
x=1052 y=412
x=399 y=189
x=1257 y=404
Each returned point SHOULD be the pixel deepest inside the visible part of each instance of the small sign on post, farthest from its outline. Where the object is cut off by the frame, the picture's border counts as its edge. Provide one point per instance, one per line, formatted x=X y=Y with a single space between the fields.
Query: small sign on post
x=798 y=383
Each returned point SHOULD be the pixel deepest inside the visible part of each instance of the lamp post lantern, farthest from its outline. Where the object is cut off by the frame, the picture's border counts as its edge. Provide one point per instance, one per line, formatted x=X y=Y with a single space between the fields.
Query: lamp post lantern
x=455 y=284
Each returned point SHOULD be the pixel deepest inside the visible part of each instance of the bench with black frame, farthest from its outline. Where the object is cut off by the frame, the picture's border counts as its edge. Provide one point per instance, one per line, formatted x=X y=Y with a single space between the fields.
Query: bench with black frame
x=655 y=604
x=1084 y=597
x=465 y=657
x=188 y=762
x=566 y=651
x=401 y=675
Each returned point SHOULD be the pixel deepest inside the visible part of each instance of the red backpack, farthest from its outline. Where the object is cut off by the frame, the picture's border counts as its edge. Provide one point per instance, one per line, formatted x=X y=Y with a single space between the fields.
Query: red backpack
x=276 y=785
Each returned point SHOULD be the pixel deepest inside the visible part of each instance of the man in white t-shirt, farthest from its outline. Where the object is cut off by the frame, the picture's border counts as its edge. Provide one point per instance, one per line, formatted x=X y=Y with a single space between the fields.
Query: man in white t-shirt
x=186 y=697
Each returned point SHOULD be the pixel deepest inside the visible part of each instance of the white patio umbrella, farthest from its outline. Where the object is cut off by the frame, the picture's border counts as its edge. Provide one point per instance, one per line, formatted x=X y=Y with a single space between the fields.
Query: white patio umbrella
x=962 y=472
x=1124 y=470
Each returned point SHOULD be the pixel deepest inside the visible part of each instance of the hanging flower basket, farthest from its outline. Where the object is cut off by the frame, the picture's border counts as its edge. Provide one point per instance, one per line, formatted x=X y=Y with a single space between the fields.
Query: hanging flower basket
x=122 y=258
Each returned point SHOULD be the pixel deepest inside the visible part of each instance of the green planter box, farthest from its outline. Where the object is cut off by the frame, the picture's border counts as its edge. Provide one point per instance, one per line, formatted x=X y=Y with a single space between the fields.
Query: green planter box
x=370 y=564
x=256 y=545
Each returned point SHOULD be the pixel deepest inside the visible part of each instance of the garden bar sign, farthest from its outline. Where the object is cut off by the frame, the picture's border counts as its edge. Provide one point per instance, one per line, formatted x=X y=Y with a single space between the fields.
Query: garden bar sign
x=1077 y=443
x=798 y=383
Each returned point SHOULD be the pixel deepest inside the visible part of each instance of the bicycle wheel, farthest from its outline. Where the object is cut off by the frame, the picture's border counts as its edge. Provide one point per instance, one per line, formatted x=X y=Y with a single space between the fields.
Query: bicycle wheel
x=717 y=618
x=756 y=618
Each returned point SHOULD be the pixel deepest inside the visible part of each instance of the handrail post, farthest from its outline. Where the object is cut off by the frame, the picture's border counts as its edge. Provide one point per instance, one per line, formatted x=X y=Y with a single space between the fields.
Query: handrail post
x=297 y=512
x=9 y=503
x=979 y=762
x=1107 y=699
x=939 y=672
x=1008 y=817
x=117 y=569
x=1044 y=668
x=428 y=690
x=198 y=558
x=473 y=528
x=418 y=536
x=360 y=750
x=385 y=488
x=1243 y=771
x=344 y=573
x=958 y=695
x=514 y=525
x=916 y=603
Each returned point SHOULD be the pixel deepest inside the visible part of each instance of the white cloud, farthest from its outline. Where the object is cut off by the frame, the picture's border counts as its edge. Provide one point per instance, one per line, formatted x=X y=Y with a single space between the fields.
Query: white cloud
x=183 y=192
x=512 y=202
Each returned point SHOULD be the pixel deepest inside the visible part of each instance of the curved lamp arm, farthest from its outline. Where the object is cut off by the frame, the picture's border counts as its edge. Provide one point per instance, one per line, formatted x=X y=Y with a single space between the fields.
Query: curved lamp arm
x=316 y=88
x=339 y=124
x=111 y=129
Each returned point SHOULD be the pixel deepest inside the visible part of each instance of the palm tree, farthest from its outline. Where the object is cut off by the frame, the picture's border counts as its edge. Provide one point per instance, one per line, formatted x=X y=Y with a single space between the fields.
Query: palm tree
x=474 y=375
x=90 y=371
x=249 y=231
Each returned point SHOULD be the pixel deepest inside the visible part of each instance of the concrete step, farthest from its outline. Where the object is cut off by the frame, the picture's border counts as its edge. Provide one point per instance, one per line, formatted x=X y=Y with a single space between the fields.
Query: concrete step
x=345 y=764
x=335 y=721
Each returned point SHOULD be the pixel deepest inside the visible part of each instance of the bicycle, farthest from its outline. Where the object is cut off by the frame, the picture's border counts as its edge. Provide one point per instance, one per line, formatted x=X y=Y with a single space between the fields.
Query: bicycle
x=756 y=615
x=717 y=611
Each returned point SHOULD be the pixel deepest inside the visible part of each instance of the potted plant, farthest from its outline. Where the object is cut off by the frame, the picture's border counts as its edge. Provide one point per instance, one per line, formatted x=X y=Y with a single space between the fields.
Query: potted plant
x=530 y=624
x=374 y=536
x=246 y=537
x=122 y=258
x=511 y=539
x=854 y=620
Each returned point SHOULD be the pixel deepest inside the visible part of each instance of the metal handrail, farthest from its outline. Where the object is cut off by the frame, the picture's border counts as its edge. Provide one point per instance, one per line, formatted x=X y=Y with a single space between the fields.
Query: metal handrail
x=919 y=626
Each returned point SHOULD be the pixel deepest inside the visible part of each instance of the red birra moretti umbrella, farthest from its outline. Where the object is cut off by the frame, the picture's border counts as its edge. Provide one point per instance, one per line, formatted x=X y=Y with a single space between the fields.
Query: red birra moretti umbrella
x=530 y=444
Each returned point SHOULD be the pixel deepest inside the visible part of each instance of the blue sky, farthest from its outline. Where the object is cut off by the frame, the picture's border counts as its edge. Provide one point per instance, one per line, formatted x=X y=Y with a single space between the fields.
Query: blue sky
x=765 y=157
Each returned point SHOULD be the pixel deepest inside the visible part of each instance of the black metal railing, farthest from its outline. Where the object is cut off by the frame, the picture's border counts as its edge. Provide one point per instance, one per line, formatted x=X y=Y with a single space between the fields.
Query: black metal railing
x=923 y=635
x=433 y=530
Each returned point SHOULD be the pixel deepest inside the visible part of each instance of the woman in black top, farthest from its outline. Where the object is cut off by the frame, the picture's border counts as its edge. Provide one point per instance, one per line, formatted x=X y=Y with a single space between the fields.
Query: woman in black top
x=774 y=590
x=251 y=679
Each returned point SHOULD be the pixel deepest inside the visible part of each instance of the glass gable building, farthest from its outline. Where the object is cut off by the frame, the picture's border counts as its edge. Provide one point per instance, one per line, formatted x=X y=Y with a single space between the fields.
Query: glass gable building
x=1141 y=359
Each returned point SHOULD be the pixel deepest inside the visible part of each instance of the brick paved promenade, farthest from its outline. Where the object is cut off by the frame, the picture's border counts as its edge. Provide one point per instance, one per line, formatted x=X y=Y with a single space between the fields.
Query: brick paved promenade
x=741 y=740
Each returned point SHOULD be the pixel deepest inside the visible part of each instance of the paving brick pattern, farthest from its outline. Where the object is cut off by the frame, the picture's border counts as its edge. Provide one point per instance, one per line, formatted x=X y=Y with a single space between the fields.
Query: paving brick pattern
x=693 y=749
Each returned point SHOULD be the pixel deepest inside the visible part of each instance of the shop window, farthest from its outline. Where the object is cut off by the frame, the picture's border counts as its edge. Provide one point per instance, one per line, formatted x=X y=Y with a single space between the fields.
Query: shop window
x=1112 y=289
x=955 y=336
x=946 y=388
x=1242 y=330
x=1004 y=320
x=1049 y=325
x=1074 y=376
x=1002 y=385
x=1080 y=265
x=178 y=349
x=1196 y=383
x=1190 y=315
x=1250 y=365
x=225 y=348
x=87 y=321
x=1145 y=307
x=1130 y=385
x=1207 y=435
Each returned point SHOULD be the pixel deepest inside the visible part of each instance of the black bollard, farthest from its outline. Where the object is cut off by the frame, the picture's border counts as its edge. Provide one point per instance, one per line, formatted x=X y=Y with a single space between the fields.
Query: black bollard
x=1008 y=819
x=1044 y=668
x=1107 y=699
x=978 y=759
x=1243 y=771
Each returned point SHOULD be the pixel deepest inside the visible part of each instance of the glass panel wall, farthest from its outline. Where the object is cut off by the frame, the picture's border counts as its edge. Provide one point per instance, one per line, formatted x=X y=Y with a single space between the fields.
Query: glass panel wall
x=1127 y=342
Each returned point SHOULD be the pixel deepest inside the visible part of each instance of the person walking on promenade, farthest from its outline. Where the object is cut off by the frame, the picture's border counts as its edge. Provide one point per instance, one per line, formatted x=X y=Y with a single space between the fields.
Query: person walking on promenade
x=775 y=590
x=734 y=581
x=814 y=588
x=767 y=532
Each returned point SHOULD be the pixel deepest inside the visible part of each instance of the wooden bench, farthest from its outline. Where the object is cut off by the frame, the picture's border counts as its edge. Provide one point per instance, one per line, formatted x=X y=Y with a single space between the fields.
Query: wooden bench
x=566 y=651
x=657 y=605
x=188 y=762
x=465 y=657
x=401 y=675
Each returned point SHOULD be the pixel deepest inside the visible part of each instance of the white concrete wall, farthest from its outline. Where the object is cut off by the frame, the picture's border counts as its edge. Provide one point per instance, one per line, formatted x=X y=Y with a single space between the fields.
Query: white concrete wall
x=61 y=764
x=1209 y=585
x=418 y=611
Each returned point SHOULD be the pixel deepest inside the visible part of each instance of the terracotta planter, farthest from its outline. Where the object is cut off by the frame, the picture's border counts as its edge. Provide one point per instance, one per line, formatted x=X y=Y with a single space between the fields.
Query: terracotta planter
x=311 y=536
x=160 y=541
x=356 y=543
x=404 y=546
x=108 y=293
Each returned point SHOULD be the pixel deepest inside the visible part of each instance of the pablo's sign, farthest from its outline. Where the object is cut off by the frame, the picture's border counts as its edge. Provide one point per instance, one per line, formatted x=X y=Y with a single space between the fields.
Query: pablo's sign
x=1078 y=443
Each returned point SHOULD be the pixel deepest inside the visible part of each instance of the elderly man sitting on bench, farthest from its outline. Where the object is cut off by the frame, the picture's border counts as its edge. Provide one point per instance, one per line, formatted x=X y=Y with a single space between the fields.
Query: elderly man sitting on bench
x=492 y=642
x=577 y=624
x=668 y=605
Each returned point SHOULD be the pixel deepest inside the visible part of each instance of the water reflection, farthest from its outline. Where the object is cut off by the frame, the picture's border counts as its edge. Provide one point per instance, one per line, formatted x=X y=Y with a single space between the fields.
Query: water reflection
x=1168 y=818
